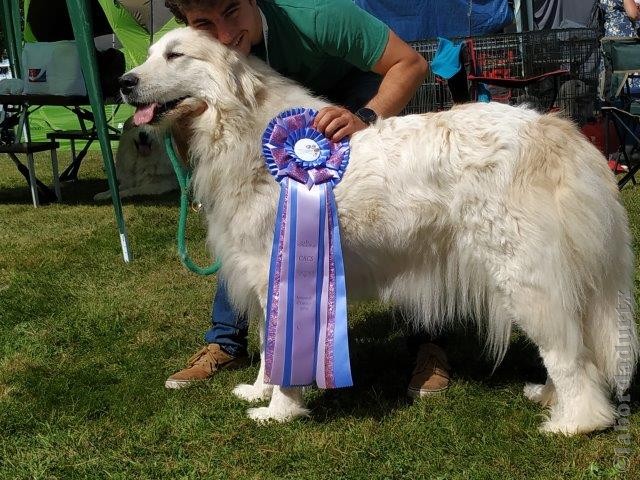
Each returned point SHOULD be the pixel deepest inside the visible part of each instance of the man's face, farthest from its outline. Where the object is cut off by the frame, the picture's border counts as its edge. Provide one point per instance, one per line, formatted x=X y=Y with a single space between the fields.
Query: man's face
x=235 y=23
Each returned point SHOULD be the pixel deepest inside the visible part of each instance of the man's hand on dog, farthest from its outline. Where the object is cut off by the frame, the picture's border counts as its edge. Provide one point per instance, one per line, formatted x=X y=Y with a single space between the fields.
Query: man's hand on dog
x=337 y=122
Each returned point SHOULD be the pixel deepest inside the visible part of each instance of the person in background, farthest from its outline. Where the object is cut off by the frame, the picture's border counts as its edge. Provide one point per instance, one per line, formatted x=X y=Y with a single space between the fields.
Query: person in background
x=632 y=8
x=619 y=19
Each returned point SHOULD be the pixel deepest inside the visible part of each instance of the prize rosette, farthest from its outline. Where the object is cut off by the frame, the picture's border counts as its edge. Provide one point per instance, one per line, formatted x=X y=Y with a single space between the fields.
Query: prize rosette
x=306 y=325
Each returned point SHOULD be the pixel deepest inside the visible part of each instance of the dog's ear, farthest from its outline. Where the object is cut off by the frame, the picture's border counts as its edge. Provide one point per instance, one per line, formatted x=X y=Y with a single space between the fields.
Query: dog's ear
x=181 y=134
x=246 y=84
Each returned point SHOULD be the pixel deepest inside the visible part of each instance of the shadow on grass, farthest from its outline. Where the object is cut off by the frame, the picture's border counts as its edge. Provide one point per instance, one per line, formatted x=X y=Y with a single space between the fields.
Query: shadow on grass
x=382 y=360
x=81 y=192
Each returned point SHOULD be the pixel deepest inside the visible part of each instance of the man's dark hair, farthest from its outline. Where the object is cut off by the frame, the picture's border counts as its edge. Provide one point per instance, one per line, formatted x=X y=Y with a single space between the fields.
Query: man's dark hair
x=177 y=7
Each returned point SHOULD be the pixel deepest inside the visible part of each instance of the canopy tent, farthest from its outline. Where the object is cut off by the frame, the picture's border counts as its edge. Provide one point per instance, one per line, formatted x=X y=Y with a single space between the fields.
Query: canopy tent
x=127 y=25
x=132 y=21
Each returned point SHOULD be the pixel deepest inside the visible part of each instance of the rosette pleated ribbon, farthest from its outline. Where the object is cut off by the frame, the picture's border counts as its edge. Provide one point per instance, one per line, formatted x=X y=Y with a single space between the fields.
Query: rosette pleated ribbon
x=306 y=325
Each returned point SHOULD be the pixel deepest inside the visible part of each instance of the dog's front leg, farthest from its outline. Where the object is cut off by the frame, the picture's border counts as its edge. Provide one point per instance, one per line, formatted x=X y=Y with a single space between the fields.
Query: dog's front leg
x=259 y=390
x=286 y=404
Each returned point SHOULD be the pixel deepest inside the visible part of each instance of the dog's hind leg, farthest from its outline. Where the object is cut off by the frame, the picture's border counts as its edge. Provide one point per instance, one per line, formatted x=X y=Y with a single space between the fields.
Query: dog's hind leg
x=286 y=404
x=580 y=391
x=582 y=395
x=258 y=390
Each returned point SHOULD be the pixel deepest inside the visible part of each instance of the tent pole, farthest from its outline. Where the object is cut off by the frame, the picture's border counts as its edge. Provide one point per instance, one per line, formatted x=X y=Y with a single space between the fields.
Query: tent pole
x=151 y=23
x=83 y=33
x=17 y=33
x=8 y=19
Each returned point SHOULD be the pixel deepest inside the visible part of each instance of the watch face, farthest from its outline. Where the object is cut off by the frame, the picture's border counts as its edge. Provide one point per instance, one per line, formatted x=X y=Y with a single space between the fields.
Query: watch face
x=367 y=115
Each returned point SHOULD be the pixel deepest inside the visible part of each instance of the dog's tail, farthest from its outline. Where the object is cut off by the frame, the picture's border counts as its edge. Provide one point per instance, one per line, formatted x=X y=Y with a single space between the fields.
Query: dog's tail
x=596 y=220
x=597 y=275
x=609 y=325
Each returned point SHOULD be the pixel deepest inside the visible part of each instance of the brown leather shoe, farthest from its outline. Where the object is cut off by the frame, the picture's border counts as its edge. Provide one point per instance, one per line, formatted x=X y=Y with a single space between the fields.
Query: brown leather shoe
x=203 y=365
x=431 y=374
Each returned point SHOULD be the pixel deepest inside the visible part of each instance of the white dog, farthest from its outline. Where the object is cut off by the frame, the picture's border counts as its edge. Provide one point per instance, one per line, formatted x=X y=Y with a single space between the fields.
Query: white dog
x=142 y=165
x=486 y=211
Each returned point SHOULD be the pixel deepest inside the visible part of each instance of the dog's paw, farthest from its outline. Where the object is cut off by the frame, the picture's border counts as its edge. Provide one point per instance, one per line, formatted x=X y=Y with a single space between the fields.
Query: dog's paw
x=550 y=427
x=544 y=394
x=267 y=414
x=568 y=428
x=534 y=391
x=582 y=417
x=102 y=196
x=253 y=393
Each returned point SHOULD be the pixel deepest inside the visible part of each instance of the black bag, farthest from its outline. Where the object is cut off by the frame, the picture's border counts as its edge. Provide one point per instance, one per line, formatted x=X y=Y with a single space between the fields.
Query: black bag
x=111 y=65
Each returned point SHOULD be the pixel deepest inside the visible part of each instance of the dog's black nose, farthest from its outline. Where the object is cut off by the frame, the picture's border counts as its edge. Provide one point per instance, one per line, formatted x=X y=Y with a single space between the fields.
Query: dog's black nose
x=127 y=82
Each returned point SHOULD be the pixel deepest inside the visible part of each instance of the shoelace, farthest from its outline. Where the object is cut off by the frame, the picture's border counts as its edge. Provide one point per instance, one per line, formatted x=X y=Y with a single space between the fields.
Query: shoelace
x=432 y=359
x=204 y=351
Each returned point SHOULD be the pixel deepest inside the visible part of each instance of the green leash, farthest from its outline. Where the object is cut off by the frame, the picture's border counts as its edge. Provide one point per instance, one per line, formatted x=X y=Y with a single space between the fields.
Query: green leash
x=184 y=179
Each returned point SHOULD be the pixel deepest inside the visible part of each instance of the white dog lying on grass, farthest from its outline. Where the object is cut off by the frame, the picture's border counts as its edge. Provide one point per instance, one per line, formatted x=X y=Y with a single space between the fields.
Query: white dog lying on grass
x=142 y=165
x=486 y=211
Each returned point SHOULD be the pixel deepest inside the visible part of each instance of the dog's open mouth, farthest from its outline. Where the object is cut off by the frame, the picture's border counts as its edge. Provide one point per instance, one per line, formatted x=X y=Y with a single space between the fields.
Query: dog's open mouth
x=151 y=112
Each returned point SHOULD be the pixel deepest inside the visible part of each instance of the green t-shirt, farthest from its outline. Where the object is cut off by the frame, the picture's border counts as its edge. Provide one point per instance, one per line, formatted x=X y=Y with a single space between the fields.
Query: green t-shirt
x=316 y=42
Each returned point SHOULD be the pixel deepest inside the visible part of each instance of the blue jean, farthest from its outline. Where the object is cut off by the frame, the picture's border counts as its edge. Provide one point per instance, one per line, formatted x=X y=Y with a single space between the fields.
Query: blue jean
x=228 y=327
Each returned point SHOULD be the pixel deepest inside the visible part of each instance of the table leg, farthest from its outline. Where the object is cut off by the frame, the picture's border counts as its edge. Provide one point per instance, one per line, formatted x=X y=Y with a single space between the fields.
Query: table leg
x=32 y=180
x=71 y=172
x=45 y=194
x=54 y=170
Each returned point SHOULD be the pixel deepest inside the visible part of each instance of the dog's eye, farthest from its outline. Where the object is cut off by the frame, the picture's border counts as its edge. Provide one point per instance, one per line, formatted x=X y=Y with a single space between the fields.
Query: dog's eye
x=172 y=55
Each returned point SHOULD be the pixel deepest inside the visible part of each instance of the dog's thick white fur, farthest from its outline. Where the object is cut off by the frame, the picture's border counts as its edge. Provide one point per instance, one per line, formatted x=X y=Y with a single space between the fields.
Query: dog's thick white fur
x=142 y=165
x=486 y=211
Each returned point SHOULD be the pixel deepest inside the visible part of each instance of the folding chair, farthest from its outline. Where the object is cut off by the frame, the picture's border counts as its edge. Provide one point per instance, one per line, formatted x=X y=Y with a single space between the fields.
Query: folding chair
x=622 y=104
x=36 y=186
x=87 y=134
x=14 y=123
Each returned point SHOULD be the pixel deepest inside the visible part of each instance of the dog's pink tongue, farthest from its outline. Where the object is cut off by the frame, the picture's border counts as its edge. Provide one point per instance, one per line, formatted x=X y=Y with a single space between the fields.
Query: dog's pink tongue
x=144 y=114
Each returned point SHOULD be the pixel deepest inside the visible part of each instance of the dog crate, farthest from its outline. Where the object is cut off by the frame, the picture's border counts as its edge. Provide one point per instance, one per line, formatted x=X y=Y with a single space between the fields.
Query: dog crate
x=547 y=69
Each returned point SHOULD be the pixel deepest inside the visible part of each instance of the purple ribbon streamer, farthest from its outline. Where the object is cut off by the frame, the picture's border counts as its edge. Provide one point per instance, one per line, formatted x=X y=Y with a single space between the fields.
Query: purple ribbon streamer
x=307 y=337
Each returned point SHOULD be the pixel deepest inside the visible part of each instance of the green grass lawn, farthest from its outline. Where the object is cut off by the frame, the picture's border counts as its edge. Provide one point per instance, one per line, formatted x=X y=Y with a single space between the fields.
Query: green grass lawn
x=87 y=341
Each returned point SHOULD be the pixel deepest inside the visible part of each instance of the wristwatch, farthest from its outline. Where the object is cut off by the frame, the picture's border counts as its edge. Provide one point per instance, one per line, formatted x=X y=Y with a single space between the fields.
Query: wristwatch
x=367 y=115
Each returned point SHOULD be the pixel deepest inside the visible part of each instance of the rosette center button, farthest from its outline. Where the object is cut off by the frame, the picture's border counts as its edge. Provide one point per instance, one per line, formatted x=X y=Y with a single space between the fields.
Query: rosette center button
x=307 y=150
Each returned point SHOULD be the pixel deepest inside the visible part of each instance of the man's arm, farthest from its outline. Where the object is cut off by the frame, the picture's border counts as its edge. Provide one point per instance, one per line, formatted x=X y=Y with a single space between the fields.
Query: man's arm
x=632 y=9
x=403 y=70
